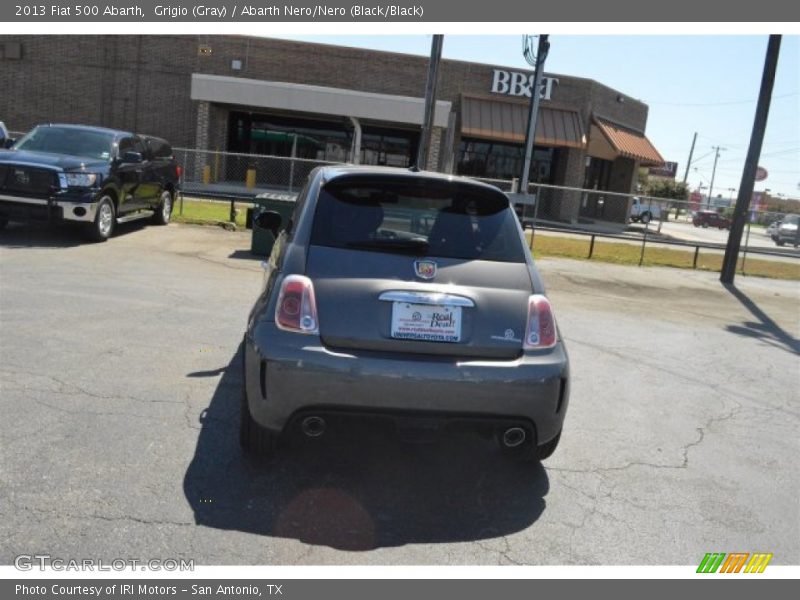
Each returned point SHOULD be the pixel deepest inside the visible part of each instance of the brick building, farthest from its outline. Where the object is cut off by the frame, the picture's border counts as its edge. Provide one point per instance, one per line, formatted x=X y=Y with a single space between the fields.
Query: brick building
x=284 y=98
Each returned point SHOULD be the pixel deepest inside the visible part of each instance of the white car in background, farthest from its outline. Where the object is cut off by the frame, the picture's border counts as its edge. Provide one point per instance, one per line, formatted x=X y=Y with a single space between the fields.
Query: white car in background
x=644 y=211
x=772 y=229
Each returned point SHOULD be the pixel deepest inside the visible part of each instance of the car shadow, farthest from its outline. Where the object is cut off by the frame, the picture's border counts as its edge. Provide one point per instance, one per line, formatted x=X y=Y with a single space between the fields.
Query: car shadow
x=763 y=328
x=66 y=235
x=357 y=488
x=247 y=255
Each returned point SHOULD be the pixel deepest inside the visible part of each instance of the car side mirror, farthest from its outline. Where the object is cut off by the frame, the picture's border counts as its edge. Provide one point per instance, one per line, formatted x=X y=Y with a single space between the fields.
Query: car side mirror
x=270 y=220
x=8 y=142
x=132 y=157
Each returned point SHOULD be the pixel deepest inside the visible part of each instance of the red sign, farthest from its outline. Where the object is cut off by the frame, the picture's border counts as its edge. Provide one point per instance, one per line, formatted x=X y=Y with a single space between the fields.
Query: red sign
x=695 y=199
x=761 y=174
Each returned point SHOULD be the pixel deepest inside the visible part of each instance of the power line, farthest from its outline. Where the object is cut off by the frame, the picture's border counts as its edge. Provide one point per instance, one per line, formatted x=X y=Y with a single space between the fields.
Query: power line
x=726 y=103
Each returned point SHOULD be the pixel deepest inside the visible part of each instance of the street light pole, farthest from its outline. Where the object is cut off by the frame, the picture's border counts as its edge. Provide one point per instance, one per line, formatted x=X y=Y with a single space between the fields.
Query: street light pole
x=713 y=173
x=751 y=163
x=430 y=102
x=689 y=162
x=533 y=112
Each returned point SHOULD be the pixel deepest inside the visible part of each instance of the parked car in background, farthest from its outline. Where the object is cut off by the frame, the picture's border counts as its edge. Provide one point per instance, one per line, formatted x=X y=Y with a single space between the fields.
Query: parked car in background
x=772 y=229
x=710 y=218
x=93 y=176
x=788 y=231
x=644 y=211
x=405 y=296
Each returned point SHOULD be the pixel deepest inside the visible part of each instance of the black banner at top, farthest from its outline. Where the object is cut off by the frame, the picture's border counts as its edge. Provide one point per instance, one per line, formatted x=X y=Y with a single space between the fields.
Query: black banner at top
x=431 y=11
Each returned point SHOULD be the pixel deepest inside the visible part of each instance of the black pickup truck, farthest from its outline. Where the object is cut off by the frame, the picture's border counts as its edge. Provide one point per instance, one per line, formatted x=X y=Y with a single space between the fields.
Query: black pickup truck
x=89 y=175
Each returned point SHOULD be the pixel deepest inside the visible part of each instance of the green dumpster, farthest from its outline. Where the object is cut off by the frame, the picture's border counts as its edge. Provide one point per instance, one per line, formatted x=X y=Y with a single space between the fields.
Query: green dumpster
x=283 y=204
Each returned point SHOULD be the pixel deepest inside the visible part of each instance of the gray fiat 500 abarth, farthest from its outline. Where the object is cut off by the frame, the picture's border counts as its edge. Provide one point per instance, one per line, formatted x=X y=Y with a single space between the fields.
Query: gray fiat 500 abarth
x=403 y=295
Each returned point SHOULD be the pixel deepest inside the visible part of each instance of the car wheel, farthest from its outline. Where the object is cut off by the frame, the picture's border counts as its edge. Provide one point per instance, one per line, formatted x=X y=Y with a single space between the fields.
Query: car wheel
x=704 y=225
x=253 y=438
x=645 y=218
x=546 y=450
x=780 y=242
x=164 y=209
x=103 y=226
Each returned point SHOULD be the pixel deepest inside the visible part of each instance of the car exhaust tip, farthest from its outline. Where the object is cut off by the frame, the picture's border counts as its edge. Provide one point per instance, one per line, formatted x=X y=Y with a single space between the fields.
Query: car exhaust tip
x=313 y=426
x=513 y=437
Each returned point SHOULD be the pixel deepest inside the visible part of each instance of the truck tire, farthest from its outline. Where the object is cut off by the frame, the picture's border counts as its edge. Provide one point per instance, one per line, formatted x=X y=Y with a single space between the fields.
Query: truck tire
x=164 y=209
x=103 y=226
x=645 y=218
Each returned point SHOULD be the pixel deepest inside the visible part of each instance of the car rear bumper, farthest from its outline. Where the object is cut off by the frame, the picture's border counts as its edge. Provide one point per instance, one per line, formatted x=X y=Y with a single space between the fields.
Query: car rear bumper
x=80 y=209
x=288 y=374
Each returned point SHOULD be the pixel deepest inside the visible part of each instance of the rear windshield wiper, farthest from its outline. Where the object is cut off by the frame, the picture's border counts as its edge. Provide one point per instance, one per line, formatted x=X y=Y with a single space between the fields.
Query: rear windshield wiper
x=409 y=245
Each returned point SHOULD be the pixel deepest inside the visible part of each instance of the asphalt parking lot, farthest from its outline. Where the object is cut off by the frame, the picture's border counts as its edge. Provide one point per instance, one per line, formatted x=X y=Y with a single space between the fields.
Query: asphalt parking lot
x=119 y=389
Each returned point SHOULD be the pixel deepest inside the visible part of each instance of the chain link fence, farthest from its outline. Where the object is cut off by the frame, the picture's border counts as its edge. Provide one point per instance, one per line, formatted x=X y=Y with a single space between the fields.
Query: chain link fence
x=212 y=172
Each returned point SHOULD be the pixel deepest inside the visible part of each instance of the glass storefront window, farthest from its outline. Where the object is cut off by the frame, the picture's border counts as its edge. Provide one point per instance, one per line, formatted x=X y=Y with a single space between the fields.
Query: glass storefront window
x=497 y=160
x=319 y=140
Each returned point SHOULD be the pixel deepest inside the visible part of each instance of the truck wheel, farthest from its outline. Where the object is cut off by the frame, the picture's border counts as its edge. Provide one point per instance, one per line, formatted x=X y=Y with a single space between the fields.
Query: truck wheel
x=253 y=438
x=645 y=218
x=103 y=226
x=164 y=209
x=546 y=450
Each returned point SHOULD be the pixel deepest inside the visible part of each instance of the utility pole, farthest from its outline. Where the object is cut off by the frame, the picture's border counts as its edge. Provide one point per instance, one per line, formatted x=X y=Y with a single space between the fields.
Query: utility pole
x=713 y=173
x=430 y=103
x=689 y=162
x=751 y=162
x=538 y=63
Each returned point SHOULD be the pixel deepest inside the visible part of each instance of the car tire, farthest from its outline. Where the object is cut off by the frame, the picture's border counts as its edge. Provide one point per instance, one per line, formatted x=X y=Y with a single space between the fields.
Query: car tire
x=704 y=225
x=164 y=209
x=545 y=451
x=645 y=218
x=253 y=438
x=780 y=242
x=102 y=227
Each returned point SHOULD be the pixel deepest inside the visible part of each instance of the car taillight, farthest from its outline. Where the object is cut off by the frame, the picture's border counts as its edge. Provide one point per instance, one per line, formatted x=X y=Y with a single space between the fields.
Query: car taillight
x=297 y=307
x=540 y=332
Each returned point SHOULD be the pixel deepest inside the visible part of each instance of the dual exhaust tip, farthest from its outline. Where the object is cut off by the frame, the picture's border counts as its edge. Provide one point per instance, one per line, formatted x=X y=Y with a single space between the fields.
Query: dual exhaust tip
x=313 y=426
x=511 y=438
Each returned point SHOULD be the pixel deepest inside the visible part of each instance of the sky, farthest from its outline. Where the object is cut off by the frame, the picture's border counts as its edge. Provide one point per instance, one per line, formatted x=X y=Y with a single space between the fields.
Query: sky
x=707 y=84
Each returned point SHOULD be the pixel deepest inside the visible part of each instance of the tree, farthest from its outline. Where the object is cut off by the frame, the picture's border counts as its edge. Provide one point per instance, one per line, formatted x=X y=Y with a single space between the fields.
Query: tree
x=659 y=187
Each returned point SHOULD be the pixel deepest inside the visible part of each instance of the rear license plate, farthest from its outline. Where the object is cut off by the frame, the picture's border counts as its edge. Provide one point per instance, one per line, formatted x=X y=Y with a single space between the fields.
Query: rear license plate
x=426 y=322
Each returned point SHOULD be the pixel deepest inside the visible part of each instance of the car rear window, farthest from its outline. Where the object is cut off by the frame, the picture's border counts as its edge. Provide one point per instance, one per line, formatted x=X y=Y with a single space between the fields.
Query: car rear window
x=417 y=216
x=159 y=148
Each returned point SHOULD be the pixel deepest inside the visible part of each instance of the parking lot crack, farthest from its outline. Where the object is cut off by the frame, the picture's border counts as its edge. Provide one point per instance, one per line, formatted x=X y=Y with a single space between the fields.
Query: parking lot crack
x=701 y=435
x=70 y=389
x=635 y=356
x=84 y=411
x=125 y=518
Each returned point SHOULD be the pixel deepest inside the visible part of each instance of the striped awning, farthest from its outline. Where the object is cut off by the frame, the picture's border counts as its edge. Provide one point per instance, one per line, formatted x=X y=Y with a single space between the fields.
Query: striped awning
x=629 y=143
x=508 y=122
